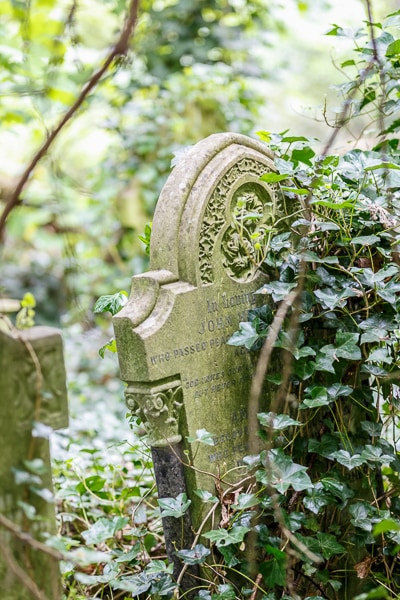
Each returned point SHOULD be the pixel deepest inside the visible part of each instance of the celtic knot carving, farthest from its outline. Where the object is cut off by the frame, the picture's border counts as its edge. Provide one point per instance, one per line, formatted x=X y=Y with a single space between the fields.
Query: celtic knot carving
x=215 y=219
x=158 y=411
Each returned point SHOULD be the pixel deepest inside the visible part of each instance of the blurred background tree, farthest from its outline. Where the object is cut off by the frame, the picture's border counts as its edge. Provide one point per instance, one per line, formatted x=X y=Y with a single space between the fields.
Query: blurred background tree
x=195 y=68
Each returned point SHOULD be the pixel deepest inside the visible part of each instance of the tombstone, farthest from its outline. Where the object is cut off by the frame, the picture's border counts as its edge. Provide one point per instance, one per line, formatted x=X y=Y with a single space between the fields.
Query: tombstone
x=32 y=389
x=172 y=335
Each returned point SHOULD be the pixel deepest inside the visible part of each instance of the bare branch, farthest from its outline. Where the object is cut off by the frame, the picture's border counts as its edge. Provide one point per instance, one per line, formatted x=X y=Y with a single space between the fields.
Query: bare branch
x=120 y=49
x=28 y=539
x=21 y=575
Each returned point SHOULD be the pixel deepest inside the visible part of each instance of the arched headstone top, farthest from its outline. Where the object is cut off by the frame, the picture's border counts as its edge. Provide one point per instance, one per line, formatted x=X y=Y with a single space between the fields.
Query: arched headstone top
x=210 y=210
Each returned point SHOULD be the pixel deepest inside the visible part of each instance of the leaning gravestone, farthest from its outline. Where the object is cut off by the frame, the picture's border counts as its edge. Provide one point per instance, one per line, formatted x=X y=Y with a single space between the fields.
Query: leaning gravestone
x=32 y=388
x=172 y=335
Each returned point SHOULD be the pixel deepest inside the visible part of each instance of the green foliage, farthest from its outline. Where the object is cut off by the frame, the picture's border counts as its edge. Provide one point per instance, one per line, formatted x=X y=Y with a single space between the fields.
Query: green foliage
x=330 y=460
x=86 y=204
x=321 y=499
x=145 y=238
x=174 y=507
x=26 y=316
x=112 y=303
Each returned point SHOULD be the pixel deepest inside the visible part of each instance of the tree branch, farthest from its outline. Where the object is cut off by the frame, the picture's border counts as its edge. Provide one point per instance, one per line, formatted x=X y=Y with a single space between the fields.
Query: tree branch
x=119 y=49
x=28 y=539
x=23 y=577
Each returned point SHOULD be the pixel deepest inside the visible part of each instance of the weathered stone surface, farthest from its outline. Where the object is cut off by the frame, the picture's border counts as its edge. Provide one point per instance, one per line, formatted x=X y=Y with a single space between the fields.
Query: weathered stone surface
x=172 y=335
x=32 y=388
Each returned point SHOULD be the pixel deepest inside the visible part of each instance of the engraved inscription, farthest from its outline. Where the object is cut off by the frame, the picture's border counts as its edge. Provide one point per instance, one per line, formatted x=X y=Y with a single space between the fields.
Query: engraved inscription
x=234 y=440
x=213 y=332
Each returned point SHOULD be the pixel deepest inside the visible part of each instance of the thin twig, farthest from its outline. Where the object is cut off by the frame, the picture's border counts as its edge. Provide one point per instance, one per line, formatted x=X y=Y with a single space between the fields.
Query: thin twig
x=119 y=49
x=28 y=539
x=21 y=575
x=262 y=367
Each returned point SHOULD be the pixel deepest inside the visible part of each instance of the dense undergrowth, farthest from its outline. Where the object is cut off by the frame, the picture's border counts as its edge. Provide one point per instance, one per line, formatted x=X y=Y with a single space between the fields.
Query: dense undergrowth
x=320 y=516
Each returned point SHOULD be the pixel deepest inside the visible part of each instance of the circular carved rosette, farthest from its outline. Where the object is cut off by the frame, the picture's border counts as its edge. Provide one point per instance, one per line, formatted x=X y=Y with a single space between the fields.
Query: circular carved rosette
x=158 y=410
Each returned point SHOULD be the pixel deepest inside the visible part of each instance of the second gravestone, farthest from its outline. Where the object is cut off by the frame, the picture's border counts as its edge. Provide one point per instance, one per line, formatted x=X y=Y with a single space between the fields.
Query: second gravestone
x=211 y=221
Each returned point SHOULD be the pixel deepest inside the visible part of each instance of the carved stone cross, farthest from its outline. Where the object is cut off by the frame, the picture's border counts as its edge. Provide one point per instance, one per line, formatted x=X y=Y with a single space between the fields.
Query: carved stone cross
x=172 y=335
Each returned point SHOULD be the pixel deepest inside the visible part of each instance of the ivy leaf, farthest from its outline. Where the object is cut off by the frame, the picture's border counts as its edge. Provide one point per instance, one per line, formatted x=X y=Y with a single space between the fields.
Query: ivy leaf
x=36 y=466
x=347 y=460
x=324 y=360
x=375 y=454
x=135 y=584
x=206 y=496
x=112 y=303
x=295 y=190
x=174 y=507
x=195 y=556
x=94 y=483
x=374 y=334
x=203 y=436
x=293 y=520
x=246 y=501
x=303 y=369
x=337 y=488
x=378 y=321
x=222 y=537
x=225 y=592
x=104 y=529
x=85 y=556
x=380 y=355
x=162 y=585
x=392 y=50
x=329 y=545
x=110 y=572
x=326 y=226
x=281 y=473
x=273 y=177
x=347 y=345
x=315 y=500
x=126 y=557
x=331 y=299
x=373 y=370
x=372 y=428
x=336 y=390
x=386 y=525
x=318 y=396
x=278 y=289
x=388 y=291
x=366 y=240
x=276 y=422
x=246 y=336
x=333 y=205
x=285 y=341
x=325 y=447
x=159 y=566
x=384 y=166
x=303 y=155
x=274 y=570
x=361 y=516
x=369 y=276
x=111 y=345
x=310 y=256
